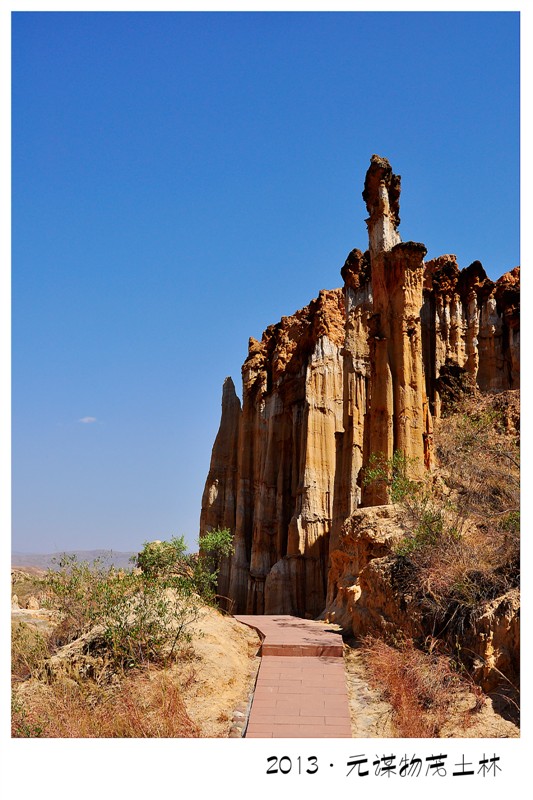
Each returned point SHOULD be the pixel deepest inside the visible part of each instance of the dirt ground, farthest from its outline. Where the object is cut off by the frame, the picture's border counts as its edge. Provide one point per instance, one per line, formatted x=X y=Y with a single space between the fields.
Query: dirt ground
x=219 y=675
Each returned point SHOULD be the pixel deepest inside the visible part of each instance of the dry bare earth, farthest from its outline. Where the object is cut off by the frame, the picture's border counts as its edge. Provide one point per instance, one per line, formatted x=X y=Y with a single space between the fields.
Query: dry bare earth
x=219 y=677
x=197 y=696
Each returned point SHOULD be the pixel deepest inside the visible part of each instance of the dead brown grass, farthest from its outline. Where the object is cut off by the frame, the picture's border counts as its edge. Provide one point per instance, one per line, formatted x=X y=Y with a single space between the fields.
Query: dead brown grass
x=420 y=687
x=139 y=706
x=477 y=447
x=29 y=651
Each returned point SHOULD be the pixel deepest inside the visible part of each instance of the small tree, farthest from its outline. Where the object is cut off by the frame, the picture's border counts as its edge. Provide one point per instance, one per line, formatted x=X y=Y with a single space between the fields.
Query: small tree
x=392 y=473
x=213 y=547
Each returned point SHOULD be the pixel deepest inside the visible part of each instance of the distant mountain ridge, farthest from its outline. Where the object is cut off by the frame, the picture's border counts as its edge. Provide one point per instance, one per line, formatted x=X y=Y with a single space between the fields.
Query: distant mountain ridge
x=46 y=560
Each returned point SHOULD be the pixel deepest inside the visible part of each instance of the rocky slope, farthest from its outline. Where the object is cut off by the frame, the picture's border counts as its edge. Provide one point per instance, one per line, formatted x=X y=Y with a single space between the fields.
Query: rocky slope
x=361 y=370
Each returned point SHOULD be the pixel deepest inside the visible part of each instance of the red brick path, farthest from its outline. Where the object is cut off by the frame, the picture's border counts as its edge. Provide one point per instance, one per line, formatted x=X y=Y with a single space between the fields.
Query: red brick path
x=301 y=686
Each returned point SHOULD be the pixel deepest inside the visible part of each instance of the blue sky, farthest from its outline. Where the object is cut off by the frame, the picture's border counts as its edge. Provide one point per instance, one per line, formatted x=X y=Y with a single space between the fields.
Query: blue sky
x=182 y=180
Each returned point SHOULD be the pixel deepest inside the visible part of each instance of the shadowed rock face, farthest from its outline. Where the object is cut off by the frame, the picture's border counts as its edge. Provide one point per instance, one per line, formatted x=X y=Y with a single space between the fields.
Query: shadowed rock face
x=360 y=370
x=220 y=493
x=471 y=326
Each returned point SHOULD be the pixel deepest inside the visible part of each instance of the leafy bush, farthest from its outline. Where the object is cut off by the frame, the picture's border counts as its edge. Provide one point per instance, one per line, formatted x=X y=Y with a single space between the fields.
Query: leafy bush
x=163 y=559
x=143 y=617
x=214 y=546
x=191 y=573
x=146 y=614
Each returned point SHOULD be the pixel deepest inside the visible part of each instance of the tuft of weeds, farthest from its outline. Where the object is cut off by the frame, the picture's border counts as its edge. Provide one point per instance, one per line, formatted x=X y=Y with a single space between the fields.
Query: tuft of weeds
x=419 y=686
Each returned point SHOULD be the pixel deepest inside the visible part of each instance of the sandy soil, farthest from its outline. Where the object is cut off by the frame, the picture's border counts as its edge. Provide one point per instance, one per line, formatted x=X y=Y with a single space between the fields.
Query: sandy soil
x=219 y=675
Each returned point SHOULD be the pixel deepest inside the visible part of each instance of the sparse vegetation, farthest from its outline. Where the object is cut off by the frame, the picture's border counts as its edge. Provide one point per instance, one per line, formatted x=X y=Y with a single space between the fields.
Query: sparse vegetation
x=461 y=547
x=143 y=617
x=420 y=686
x=141 y=705
x=392 y=473
x=29 y=651
x=462 y=526
x=104 y=670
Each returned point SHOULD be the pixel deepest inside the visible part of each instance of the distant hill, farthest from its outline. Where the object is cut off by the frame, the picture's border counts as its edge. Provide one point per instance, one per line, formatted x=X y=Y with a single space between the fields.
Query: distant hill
x=46 y=560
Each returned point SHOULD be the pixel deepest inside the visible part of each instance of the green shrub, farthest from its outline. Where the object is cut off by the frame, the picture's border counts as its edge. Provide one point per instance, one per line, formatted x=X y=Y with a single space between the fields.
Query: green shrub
x=191 y=573
x=162 y=559
x=392 y=473
x=143 y=617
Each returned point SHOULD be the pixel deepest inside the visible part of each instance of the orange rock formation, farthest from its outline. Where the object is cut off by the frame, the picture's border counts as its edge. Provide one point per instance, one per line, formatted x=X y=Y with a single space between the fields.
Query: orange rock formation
x=359 y=371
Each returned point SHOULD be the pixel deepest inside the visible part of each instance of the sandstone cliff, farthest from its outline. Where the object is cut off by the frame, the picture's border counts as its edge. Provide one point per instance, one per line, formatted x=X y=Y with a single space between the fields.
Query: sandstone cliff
x=285 y=463
x=361 y=370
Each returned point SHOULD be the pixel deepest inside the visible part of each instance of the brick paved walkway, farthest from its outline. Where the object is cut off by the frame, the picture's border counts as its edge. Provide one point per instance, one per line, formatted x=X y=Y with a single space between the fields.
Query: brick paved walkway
x=301 y=686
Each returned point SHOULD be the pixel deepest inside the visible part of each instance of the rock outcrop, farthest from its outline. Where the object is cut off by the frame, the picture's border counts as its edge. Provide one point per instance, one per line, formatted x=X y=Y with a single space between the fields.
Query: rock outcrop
x=367 y=594
x=367 y=536
x=361 y=371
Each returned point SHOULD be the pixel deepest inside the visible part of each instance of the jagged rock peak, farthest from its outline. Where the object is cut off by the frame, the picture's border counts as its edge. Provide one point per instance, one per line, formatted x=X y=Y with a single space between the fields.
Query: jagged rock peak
x=380 y=174
x=285 y=345
x=229 y=395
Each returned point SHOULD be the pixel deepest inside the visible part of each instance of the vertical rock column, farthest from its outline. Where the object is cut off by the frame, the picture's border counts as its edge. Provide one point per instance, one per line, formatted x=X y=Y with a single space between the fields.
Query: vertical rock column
x=255 y=380
x=411 y=418
x=399 y=414
x=356 y=375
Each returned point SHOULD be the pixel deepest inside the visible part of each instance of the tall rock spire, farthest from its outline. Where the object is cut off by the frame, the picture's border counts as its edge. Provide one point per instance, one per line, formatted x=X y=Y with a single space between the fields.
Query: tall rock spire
x=382 y=197
x=399 y=413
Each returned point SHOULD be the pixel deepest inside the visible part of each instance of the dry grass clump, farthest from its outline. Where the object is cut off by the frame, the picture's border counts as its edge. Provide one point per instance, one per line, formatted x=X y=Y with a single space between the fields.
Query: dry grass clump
x=420 y=687
x=477 y=446
x=139 y=706
x=29 y=651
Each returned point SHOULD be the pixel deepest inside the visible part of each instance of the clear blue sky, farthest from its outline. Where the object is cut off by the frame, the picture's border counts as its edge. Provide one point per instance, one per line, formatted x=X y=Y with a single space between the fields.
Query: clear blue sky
x=182 y=180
